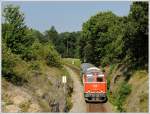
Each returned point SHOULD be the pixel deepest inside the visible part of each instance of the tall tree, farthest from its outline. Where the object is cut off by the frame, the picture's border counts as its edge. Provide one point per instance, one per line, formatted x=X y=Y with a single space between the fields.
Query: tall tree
x=51 y=35
x=14 y=32
x=136 y=35
x=99 y=35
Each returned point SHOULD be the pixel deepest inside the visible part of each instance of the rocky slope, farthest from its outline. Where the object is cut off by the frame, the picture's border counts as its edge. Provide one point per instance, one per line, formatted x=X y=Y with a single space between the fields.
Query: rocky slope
x=43 y=93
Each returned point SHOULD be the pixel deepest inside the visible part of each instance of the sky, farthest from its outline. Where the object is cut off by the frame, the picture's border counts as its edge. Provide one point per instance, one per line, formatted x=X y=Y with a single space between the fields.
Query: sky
x=66 y=16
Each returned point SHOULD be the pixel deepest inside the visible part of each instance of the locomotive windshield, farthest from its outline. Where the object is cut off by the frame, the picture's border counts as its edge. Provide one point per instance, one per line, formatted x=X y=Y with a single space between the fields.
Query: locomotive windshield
x=92 y=72
x=90 y=79
x=99 y=79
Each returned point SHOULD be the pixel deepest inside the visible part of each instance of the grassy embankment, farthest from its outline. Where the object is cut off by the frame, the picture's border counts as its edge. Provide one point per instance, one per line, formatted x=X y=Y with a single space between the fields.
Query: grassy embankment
x=44 y=88
x=33 y=86
x=123 y=85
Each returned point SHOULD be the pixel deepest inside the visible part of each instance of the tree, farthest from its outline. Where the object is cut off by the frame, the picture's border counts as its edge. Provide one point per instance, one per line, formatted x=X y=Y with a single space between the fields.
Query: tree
x=102 y=33
x=15 y=31
x=67 y=44
x=38 y=35
x=51 y=35
x=136 y=34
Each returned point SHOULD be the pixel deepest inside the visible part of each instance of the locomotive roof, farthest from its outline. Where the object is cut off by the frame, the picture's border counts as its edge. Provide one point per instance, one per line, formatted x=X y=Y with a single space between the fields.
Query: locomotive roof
x=85 y=66
x=93 y=69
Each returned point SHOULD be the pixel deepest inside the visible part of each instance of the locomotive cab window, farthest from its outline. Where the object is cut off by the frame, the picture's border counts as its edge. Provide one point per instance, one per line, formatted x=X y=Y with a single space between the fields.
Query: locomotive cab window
x=90 y=79
x=99 y=79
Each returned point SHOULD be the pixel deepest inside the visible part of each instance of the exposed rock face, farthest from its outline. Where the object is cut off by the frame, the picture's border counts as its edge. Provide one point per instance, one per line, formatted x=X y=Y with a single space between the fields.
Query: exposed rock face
x=12 y=108
x=137 y=101
x=38 y=95
x=17 y=99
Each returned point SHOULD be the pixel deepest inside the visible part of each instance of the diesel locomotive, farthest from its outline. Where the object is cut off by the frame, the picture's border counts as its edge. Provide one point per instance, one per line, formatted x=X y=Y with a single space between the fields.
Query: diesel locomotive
x=94 y=83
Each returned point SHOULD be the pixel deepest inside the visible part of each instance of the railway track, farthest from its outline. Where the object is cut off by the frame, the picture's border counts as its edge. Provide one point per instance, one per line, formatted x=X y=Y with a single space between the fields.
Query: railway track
x=96 y=107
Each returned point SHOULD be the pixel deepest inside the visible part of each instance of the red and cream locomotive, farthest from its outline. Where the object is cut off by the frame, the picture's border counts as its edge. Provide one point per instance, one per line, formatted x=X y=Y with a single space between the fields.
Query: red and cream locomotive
x=95 y=83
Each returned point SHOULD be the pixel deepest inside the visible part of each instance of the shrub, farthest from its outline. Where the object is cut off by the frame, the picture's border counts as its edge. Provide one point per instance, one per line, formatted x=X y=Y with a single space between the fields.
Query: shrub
x=123 y=91
x=9 y=63
x=52 y=57
x=52 y=60
x=8 y=60
x=29 y=55
x=68 y=104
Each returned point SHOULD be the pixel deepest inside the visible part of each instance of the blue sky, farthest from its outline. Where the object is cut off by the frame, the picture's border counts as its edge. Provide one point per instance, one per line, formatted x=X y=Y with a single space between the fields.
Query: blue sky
x=66 y=16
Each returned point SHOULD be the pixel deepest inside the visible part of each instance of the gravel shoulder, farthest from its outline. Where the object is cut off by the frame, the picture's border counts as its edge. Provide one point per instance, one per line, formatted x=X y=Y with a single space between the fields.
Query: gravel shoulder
x=79 y=104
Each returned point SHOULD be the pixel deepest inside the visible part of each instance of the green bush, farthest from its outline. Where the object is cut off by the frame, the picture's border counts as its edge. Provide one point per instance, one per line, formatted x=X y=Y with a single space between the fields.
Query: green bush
x=52 y=60
x=68 y=104
x=32 y=53
x=123 y=91
x=51 y=56
x=10 y=65
x=35 y=66
x=8 y=60
x=29 y=55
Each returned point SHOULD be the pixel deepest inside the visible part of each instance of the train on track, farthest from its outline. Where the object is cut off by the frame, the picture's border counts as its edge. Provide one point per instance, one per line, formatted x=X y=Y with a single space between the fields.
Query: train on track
x=94 y=82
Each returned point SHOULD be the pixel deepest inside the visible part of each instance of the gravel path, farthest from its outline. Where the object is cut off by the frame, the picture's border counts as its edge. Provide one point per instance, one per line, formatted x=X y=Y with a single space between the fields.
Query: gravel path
x=79 y=104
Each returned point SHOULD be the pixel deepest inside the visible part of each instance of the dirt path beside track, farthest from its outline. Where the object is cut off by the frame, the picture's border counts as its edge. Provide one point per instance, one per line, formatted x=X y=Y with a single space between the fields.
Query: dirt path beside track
x=79 y=104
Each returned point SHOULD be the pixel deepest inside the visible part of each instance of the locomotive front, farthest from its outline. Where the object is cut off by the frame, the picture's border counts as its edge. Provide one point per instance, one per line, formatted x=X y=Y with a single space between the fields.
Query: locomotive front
x=95 y=83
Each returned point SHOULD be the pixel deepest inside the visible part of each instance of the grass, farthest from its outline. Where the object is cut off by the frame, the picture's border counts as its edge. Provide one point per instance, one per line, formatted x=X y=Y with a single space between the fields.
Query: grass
x=25 y=106
x=120 y=90
x=138 y=98
x=73 y=61
x=44 y=105
x=69 y=103
x=144 y=102
x=109 y=72
x=7 y=99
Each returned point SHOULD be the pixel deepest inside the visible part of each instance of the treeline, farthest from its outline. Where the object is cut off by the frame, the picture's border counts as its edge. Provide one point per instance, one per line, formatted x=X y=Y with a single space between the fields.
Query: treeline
x=66 y=43
x=107 y=38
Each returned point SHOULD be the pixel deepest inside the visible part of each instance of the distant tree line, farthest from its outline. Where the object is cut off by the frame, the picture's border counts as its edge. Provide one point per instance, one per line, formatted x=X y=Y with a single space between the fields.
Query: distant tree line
x=66 y=43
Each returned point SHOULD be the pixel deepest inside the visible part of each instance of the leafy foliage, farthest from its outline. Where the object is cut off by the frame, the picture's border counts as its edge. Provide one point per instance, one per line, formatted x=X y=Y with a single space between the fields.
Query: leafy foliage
x=136 y=33
x=100 y=44
x=23 y=47
x=123 y=91
x=108 y=39
x=15 y=31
